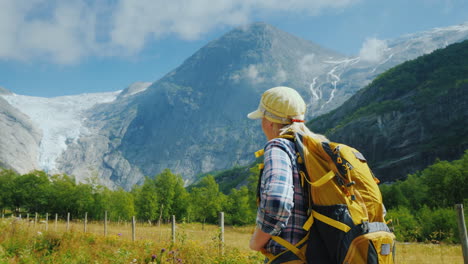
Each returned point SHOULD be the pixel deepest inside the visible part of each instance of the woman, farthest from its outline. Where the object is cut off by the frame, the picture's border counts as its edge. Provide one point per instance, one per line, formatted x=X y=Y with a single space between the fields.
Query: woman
x=282 y=209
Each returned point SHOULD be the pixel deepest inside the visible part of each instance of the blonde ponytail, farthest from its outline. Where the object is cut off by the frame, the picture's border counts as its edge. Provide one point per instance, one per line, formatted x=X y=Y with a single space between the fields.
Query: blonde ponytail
x=301 y=128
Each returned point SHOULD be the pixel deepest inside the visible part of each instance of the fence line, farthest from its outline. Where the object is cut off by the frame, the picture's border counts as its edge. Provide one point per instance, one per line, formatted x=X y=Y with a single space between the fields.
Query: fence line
x=133 y=224
x=169 y=236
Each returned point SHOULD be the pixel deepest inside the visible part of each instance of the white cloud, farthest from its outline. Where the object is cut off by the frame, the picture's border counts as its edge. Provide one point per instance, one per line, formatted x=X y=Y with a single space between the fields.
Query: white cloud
x=66 y=31
x=253 y=75
x=373 y=50
x=309 y=65
x=281 y=76
x=136 y=21
x=63 y=34
x=250 y=73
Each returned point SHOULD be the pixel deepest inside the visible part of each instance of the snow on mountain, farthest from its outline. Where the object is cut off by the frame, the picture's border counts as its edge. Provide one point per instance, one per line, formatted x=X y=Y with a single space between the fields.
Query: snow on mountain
x=330 y=90
x=60 y=119
x=134 y=88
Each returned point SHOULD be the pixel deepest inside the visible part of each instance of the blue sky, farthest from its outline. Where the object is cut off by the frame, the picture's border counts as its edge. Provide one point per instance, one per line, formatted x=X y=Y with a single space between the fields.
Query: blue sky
x=51 y=48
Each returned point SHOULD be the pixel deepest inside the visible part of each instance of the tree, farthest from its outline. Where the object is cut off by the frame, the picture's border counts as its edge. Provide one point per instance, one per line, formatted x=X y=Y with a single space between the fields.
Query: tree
x=7 y=179
x=31 y=191
x=207 y=200
x=84 y=200
x=62 y=194
x=181 y=199
x=434 y=178
x=414 y=189
x=121 y=205
x=171 y=193
x=238 y=210
x=404 y=223
x=456 y=182
x=146 y=200
x=439 y=224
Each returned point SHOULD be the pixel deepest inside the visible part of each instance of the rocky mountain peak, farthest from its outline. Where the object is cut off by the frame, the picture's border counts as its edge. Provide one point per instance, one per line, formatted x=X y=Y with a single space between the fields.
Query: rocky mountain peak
x=134 y=88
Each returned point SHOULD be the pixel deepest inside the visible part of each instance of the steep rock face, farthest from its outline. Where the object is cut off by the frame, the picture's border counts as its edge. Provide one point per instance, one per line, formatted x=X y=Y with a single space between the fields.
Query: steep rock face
x=96 y=153
x=409 y=116
x=194 y=119
x=19 y=138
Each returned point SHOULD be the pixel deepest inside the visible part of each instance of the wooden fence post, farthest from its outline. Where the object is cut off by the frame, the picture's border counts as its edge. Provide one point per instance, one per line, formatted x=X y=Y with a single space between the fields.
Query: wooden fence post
x=462 y=231
x=47 y=222
x=35 y=220
x=55 y=224
x=68 y=222
x=173 y=229
x=133 y=229
x=27 y=217
x=105 y=223
x=85 y=222
x=221 y=234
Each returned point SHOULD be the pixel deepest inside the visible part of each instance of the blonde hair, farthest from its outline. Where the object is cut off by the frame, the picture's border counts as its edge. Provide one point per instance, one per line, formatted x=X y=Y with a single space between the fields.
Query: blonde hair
x=301 y=128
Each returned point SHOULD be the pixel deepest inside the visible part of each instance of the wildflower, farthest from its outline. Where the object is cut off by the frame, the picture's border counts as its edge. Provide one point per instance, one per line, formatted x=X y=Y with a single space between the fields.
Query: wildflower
x=39 y=233
x=119 y=234
x=162 y=250
x=153 y=259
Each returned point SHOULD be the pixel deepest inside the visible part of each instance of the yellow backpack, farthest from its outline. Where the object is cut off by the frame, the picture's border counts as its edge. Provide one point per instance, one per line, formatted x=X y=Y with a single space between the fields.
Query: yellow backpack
x=346 y=222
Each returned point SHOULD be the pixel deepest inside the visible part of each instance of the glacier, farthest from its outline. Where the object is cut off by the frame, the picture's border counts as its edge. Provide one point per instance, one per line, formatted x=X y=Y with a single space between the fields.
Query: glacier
x=61 y=120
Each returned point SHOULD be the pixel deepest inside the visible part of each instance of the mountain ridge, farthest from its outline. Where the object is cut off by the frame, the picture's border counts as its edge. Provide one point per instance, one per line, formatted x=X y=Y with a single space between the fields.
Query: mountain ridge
x=193 y=119
x=416 y=112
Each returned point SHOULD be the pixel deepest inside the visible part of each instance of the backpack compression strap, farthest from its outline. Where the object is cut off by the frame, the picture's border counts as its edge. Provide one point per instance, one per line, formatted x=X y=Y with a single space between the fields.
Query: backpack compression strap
x=289 y=247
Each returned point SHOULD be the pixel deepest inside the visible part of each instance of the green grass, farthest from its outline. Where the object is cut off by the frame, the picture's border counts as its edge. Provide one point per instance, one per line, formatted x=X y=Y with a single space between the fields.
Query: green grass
x=23 y=242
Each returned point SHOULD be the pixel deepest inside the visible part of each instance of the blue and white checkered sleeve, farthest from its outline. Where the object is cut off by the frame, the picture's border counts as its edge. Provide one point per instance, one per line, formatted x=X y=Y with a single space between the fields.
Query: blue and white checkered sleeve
x=276 y=191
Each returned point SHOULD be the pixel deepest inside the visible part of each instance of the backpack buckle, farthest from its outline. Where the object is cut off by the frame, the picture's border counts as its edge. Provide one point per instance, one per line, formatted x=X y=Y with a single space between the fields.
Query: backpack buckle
x=365 y=227
x=350 y=184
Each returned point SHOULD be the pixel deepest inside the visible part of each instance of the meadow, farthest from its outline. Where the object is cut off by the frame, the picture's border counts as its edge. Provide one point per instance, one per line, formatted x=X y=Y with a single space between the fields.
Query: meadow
x=23 y=241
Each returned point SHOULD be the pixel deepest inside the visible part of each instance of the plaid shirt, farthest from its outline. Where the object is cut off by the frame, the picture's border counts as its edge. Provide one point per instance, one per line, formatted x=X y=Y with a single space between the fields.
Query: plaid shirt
x=282 y=210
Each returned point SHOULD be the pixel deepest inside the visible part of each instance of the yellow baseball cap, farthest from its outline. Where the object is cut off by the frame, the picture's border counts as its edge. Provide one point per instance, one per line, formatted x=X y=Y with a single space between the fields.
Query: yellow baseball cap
x=280 y=104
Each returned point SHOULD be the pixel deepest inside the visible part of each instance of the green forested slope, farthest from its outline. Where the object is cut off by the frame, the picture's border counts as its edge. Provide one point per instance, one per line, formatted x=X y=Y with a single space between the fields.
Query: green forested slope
x=409 y=116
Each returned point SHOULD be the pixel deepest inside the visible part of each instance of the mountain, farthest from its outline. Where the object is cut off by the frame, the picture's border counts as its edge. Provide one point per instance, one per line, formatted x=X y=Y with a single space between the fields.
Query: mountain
x=97 y=154
x=54 y=123
x=193 y=120
x=409 y=116
x=348 y=76
x=19 y=138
